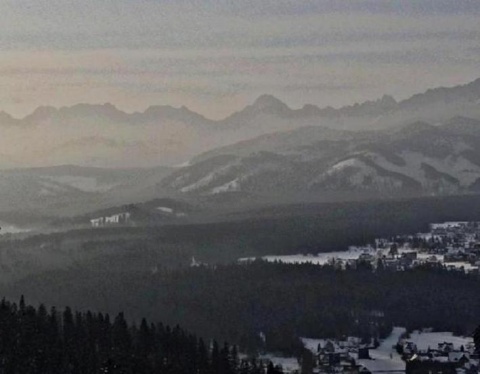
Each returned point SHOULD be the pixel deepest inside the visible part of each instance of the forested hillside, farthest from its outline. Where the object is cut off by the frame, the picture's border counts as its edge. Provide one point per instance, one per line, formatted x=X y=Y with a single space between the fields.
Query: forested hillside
x=274 y=230
x=284 y=302
x=33 y=340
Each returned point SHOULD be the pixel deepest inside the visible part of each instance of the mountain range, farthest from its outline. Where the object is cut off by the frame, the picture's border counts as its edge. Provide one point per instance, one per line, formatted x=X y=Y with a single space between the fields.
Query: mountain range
x=104 y=136
x=418 y=158
x=72 y=190
x=426 y=145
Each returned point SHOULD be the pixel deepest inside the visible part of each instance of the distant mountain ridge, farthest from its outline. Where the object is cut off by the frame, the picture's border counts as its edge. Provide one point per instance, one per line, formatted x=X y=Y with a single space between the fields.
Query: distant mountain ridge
x=71 y=190
x=310 y=162
x=104 y=136
x=264 y=103
x=107 y=110
x=418 y=158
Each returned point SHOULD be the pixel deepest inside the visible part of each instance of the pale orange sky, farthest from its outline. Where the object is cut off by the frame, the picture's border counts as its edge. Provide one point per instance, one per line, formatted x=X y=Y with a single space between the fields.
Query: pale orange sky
x=217 y=56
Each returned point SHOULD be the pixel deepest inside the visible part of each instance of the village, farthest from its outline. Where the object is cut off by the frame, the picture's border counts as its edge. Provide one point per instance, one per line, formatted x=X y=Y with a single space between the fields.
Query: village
x=453 y=245
x=417 y=352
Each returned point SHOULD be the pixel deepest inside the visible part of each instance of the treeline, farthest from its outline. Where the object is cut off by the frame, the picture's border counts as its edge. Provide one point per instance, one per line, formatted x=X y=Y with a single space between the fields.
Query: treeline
x=34 y=340
x=291 y=229
x=240 y=303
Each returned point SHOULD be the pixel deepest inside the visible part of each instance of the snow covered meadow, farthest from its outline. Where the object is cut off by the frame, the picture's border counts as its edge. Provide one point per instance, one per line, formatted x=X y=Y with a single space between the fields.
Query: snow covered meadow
x=354 y=254
x=11 y=229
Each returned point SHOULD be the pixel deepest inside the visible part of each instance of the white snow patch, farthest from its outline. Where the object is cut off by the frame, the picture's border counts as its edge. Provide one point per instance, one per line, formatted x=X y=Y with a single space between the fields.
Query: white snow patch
x=86 y=184
x=353 y=254
x=312 y=344
x=318 y=259
x=448 y=225
x=465 y=265
x=289 y=364
x=200 y=183
x=11 y=229
x=351 y=162
x=385 y=357
x=361 y=172
x=423 y=340
x=456 y=166
x=165 y=209
x=227 y=187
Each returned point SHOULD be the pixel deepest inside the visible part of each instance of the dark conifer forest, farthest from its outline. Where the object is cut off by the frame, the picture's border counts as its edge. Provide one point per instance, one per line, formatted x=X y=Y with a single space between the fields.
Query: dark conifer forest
x=284 y=302
x=35 y=340
x=145 y=272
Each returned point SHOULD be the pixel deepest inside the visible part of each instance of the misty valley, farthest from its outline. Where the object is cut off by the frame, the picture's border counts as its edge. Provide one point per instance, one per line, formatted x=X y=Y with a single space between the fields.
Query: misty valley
x=195 y=274
x=269 y=271
x=249 y=187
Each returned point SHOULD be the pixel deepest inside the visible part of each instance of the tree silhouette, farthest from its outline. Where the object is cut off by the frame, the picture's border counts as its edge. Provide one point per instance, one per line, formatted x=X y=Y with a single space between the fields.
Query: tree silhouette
x=37 y=341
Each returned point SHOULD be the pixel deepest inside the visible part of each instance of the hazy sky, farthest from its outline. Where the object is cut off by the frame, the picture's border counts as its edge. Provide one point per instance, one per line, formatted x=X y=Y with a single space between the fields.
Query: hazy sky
x=215 y=56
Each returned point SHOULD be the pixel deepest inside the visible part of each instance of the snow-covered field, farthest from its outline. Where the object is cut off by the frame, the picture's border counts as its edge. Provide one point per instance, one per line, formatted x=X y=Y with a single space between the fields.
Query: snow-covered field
x=312 y=344
x=352 y=254
x=318 y=259
x=10 y=229
x=423 y=340
x=467 y=266
x=288 y=364
x=385 y=357
x=87 y=184
x=165 y=209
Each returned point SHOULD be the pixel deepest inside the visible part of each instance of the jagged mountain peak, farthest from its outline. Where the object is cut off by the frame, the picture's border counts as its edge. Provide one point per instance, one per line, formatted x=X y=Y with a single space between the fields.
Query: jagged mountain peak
x=475 y=85
x=264 y=104
x=313 y=110
x=6 y=117
x=269 y=102
x=103 y=109
x=387 y=100
x=164 y=108
x=41 y=112
x=175 y=134
x=5 y=114
x=371 y=107
x=108 y=112
x=469 y=92
x=80 y=110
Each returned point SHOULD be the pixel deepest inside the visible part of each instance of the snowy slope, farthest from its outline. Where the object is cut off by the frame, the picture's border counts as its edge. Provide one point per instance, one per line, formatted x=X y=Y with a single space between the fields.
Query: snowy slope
x=416 y=158
x=385 y=357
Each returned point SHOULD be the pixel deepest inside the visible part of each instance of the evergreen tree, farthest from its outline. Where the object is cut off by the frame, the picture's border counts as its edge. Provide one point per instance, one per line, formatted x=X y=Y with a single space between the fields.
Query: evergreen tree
x=476 y=339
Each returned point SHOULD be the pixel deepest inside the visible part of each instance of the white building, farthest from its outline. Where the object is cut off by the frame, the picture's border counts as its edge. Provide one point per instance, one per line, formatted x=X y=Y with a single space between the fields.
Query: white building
x=115 y=219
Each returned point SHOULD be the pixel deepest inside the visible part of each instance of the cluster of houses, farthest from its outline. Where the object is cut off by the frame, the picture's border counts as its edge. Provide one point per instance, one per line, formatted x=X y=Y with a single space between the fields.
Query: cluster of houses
x=455 y=245
x=115 y=219
x=445 y=358
x=457 y=241
x=138 y=214
x=397 y=261
x=452 y=244
x=353 y=356
x=335 y=356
